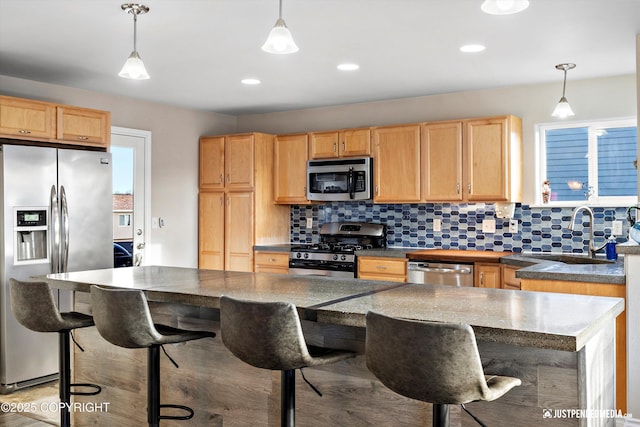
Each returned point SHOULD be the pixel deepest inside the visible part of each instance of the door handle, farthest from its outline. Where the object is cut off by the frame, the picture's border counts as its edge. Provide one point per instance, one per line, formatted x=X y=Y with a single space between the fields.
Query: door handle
x=140 y=246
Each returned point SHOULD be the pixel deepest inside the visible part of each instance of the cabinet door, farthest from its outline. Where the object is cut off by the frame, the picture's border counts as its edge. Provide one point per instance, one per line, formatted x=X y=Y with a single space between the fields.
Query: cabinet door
x=211 y=231
x=290 y=169
x=509 y=279
x=26 y=119
x=323 y=145
x=239 y=232
x=212 y=162
x=487 y=159
x=377 y=268
x=83 y=126
x=441 y=150
x=355 y=142
x=396 y=164
x=239 y=162
x=487 y=275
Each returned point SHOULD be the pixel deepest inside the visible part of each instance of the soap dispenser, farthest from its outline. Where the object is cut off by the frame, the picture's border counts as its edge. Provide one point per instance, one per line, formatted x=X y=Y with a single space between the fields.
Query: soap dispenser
x=610 y=249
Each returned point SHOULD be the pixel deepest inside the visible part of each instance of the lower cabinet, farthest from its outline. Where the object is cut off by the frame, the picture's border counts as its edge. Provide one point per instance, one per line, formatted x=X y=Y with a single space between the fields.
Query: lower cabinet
x=603 y=290
x=271 y=262
x=382 y=268
x=509 y=279
x=487 y=275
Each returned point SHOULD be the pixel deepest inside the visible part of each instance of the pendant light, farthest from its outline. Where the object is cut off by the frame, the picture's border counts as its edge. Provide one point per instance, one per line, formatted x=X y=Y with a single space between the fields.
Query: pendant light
x=563 y=109
x=134 y=67
x=504 y=7
x=280 y=40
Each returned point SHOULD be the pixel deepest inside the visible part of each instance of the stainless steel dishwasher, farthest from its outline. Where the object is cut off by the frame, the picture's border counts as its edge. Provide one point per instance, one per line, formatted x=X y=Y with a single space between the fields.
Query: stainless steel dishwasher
x=439 y=273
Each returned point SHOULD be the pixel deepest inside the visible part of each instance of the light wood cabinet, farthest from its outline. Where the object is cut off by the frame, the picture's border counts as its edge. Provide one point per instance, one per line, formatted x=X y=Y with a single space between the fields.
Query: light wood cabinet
x=48 y=122
x=509 y=279
x=236 y=210
x=493 y=159
x=595 y=289
x=487 y=275
x=382 y=268
x=343 y=143
x=441 y=150
x=83 y=126
x=290 y=169
x=26 y=119
x=271 y=262
x=396 y=164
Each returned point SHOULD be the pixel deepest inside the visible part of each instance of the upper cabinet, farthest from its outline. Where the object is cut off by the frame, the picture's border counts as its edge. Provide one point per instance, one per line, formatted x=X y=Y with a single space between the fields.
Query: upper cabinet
x=477 y=160
x=47 y=122
x=396 y=164
x=290 y=169
x=83 y=126
x=494 y=159
x=344 y=143
x=227 y=162
x=25 y=119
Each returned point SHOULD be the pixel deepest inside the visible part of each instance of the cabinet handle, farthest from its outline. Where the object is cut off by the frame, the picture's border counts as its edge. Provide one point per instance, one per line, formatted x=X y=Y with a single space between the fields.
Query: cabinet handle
x=481 y=278
x=227 y=178
x=272 y=260
x=221 y=200
x=469 y=188
x=377 y=190
x=335 y=147
x=343 y=146
x=381 y=267
x=220 y=180
x=83 y=138
x=458 y=188
x=24 y=131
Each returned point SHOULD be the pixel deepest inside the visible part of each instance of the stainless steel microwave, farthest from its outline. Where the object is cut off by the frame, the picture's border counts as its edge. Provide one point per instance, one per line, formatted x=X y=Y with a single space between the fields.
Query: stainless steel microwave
x=340 y=179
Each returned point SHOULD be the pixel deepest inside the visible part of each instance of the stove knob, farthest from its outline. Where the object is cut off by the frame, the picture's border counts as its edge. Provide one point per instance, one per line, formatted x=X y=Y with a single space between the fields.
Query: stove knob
x=335 y=257
x=298 y=255
x=306 y=255
x=343 y=257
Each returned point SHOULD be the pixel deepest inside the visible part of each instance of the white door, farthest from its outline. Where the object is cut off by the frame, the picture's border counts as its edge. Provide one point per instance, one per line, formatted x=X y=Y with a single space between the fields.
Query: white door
x=131 y=157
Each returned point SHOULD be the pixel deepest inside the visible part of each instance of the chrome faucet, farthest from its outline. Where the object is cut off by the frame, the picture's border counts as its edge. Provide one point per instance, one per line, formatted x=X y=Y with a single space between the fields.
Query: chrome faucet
x=592 y=248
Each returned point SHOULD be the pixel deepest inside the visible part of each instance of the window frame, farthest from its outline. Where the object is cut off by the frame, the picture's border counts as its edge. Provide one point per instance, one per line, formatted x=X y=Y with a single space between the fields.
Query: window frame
x=591 y=125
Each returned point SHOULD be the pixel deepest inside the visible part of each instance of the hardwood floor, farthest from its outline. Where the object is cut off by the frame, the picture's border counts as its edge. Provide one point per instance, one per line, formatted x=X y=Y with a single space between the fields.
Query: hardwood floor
x=36 y=398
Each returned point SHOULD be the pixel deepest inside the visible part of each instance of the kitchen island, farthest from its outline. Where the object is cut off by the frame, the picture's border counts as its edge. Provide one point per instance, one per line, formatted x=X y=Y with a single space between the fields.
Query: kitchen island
x=561 y=346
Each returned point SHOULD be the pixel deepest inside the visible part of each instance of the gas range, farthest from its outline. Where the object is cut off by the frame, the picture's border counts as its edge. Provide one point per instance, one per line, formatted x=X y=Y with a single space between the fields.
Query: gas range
x=335 y=255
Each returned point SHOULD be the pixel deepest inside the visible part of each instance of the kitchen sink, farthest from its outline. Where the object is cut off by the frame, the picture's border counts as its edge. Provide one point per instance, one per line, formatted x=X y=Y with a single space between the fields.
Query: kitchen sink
x=569 y=258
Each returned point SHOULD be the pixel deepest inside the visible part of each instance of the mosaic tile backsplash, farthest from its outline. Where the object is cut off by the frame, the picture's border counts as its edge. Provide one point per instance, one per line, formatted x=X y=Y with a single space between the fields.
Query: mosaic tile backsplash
x=411 y=225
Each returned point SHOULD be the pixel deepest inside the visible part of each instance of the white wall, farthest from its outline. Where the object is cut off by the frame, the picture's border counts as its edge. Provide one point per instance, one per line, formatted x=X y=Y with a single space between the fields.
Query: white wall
x=174 y=181
x=590 y=99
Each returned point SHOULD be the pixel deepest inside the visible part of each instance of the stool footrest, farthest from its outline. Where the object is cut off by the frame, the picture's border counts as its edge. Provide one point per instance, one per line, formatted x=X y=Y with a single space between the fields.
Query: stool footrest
x=97 y=389
x=177 y=417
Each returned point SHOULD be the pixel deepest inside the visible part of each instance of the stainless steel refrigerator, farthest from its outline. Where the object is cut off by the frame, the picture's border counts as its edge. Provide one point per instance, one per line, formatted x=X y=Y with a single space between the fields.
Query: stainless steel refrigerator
x=56 y=216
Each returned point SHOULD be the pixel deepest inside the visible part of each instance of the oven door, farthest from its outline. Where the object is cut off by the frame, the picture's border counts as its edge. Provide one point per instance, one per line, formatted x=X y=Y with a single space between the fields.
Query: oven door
x=322 y=268
x=336 y=180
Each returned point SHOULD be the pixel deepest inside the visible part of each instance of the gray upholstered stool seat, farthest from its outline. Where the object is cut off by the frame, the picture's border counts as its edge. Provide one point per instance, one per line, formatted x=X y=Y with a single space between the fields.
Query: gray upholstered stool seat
x=269 y=335
x=123 y=318
x=432 y=362
x=34 y=307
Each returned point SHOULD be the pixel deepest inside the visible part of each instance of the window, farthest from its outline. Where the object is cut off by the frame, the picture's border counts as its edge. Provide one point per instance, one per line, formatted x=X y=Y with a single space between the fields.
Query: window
x=590 y=161
x=124 y=220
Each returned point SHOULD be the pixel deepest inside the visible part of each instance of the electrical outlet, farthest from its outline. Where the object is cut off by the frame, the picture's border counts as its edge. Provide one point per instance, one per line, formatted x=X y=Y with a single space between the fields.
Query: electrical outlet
x=513 y=226
x=488 y=225
x=309 y=222
x=616 y=229
x=437 y=224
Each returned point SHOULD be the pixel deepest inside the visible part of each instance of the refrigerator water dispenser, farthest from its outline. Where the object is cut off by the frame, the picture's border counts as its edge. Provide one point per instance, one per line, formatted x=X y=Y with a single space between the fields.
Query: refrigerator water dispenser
x=30 y=235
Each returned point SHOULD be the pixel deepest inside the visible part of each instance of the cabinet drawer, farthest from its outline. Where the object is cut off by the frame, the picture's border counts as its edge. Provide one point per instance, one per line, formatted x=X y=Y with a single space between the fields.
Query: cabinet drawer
x=382 y=266
x=272 y=259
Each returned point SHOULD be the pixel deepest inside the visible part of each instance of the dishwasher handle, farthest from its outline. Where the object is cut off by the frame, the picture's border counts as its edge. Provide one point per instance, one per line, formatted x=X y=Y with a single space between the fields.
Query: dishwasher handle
x=443 y=270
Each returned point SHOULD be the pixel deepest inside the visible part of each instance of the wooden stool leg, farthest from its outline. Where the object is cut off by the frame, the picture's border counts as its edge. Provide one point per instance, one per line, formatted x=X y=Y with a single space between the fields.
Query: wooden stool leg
x=288 y=398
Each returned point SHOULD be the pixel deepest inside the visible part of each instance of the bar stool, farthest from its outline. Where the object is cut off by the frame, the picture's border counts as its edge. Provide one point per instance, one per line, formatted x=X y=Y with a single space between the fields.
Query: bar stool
x=268 y=335
x=123 y=318
x=432 y=362
x=34 y=307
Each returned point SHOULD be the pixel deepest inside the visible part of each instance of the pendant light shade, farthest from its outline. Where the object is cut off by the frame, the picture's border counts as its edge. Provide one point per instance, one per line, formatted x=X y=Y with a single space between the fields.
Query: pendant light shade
x=563 y=109
x=504 y=7
x=280 y=40
x=134 y=67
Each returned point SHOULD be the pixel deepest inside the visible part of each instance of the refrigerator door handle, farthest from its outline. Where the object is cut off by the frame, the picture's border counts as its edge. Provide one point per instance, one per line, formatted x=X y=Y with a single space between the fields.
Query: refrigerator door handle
x=54 y=230
x=65 y=230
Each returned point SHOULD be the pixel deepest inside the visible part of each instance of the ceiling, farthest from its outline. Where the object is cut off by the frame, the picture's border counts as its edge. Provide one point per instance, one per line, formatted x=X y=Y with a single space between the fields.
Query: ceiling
x=197 y=51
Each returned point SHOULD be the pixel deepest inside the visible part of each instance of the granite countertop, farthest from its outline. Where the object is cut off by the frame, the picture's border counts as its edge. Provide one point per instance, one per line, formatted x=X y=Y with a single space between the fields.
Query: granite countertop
x=533 y=319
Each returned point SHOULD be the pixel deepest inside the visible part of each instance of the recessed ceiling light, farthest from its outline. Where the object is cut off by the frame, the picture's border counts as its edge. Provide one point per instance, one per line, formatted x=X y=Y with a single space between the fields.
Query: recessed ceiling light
x=504 y=7
x=348 y=67
x=250 y=81
x=472 y=48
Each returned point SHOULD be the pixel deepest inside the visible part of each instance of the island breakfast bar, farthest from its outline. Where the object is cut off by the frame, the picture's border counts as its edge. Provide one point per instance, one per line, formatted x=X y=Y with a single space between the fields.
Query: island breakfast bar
x=560 y=346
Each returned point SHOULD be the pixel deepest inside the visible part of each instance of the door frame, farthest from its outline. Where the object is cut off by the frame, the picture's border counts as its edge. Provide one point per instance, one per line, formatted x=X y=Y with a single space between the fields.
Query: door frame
x=146 y=136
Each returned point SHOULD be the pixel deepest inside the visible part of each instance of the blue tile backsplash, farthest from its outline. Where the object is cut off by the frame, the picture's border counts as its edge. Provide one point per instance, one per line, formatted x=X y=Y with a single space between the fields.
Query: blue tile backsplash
x=411 y=225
